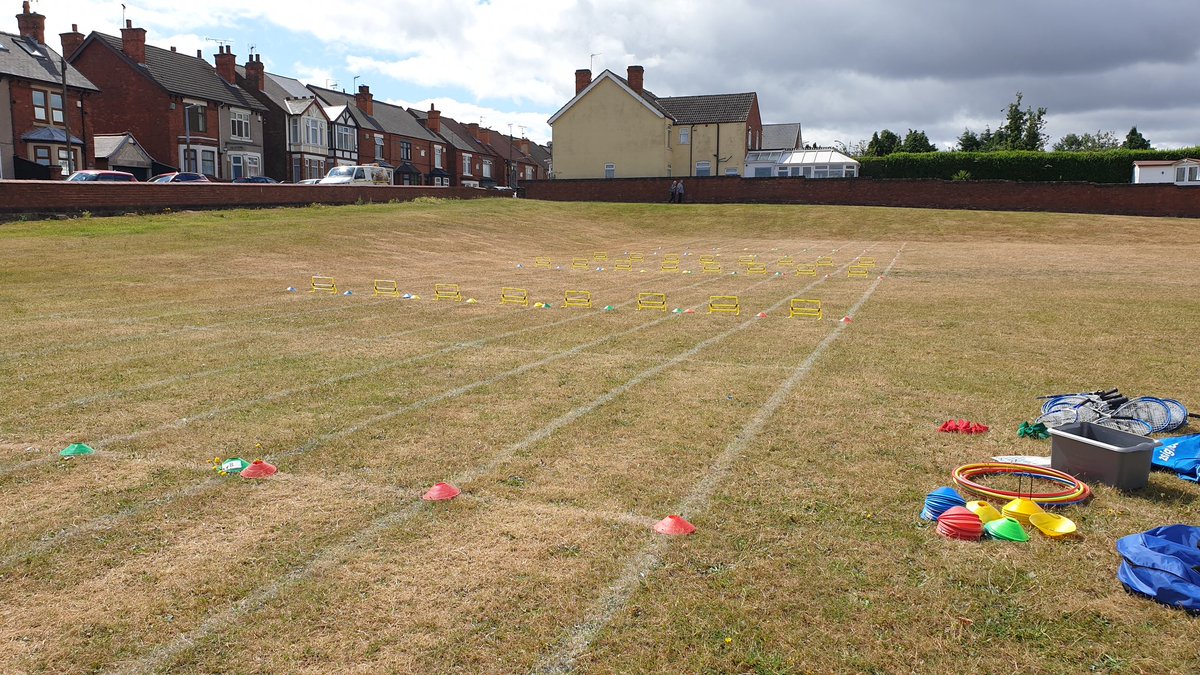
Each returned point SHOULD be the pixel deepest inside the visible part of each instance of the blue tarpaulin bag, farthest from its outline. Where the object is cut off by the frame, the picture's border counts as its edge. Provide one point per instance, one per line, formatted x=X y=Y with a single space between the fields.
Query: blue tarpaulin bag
x=1180 y=454
x=1163 y=564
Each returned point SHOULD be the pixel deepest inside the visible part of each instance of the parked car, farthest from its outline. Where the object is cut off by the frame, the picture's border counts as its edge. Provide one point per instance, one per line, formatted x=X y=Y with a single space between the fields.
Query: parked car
x=255 y=179
x=95 y=175
x=366 y=174
x=308 y=181
x=179 y=177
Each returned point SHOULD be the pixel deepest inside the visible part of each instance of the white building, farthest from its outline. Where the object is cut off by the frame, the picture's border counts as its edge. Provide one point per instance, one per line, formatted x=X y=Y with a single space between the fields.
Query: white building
x=1177 y=171
x=814 y=163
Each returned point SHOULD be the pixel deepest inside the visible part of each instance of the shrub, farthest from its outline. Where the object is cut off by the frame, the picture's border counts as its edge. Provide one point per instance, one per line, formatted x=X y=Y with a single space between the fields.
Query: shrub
x=1110 y=166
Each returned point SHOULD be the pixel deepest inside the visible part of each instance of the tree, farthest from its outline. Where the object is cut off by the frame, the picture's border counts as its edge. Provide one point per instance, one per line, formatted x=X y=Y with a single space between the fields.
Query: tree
x=969 y=141
x=883 y=143
x=1022 y=130
x=916 y=141
x=1101 y=141
x=1135 y=141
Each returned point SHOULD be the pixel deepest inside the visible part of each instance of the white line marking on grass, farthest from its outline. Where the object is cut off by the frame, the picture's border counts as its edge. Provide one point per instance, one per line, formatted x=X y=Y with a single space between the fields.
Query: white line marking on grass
x=323 y=558
x=107 y=521
x=615 y=598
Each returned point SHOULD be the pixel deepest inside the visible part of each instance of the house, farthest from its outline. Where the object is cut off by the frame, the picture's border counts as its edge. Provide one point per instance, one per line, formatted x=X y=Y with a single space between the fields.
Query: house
x=122 y=152
x=810 y=163
x=185 y=112
x=296 y=126
x=445 y=148
x=1179 y=171
x=45 y=119
x=781 y=137
x=615 y=127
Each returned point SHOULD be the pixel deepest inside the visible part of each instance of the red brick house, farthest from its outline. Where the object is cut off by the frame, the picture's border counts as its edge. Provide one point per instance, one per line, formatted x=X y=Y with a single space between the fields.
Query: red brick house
x=45 y=119
x=185 y=112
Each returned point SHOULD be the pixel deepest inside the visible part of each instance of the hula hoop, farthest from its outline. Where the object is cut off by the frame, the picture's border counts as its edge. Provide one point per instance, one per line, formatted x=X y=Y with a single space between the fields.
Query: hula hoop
x=1076 y=490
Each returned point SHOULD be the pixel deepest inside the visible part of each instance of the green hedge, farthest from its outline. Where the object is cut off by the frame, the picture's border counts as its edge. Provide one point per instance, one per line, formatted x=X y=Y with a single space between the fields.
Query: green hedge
x=1113 y=166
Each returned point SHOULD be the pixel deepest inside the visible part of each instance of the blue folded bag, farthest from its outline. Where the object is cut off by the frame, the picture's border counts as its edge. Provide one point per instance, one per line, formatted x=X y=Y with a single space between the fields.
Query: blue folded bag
x=1163 y=564
x=1181 y=455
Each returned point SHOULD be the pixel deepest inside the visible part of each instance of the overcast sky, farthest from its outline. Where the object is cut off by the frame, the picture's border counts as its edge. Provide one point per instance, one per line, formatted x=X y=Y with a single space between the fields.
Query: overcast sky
x=842 y=69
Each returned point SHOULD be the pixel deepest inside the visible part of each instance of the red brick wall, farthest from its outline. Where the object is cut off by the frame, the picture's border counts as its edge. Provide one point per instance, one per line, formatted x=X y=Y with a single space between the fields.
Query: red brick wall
x=21 y=93
x=1142 y=200
x=29 y=196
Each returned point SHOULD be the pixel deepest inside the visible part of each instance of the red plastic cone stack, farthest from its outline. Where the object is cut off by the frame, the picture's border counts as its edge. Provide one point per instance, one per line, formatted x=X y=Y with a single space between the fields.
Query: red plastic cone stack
x=846 y=319
x=441 y=492
x=674 y=525
x=959 y=522
x=761 y=315
x=963 y=427
x=258 y=469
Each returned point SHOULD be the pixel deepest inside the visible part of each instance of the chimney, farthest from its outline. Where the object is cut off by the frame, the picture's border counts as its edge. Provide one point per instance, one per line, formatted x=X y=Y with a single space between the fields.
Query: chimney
x=583 y=77
x=71 y=41
x=200 y=53
x=226 y=64
x=254 y=73
x=485 y=136
x=31 y=24
x=133 y=42
x=523 y=144
x=173 y=48
x=434 y=122
x=364 y=101
x=473 y=129
x=635 y=78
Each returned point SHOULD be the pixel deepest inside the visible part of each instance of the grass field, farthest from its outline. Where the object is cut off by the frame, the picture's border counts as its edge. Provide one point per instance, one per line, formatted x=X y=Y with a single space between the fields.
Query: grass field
x=801 y=450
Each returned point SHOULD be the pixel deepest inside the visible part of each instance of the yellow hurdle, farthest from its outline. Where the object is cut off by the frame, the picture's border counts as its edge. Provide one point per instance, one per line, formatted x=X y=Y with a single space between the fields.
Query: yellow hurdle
x=600 y=256
x=656 y=301
x=323 y=285
x=577 y=299
x=447 y=292
x=514 y=296
x=624 y=265
x=809 y=309
x=637 y=257
x=786 y=261
x=670 y=266
x=857 y=272
x=724 y=304
x=580 y=264
x=825 y=261
x=806 y=270
x=710 y=268
x=708 y=259
x=864 y=261
x=671 y=256
x=758 y=269
x=387 y=287
x=542 y=262
x=747 y=260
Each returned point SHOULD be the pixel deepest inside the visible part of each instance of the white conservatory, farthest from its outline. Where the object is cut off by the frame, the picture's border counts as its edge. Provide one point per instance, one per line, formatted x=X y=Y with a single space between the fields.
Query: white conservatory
x=811 y=163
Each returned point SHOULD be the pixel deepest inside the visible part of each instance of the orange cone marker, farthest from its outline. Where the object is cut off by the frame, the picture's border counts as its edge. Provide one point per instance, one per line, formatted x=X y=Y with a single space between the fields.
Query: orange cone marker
x=674 y=525
x=441 y=492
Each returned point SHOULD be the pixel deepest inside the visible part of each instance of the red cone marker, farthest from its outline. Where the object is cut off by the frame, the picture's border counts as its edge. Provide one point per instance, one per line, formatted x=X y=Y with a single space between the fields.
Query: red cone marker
x=441 y=492
x=674 y=525
x=259 y=469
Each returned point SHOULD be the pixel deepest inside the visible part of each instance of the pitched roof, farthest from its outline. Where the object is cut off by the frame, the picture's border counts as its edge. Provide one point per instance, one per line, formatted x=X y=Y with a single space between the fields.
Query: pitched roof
x=337 y=98
x=710 y=108
x=24 y=58
x=111 y=145
x=184 y=75
x=781 y=136
x=450 y=132
x=49 y=135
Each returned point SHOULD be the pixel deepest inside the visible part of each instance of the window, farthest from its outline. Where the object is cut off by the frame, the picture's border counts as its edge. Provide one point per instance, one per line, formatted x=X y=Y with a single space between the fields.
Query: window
x=487 y=168
x=762 y=172
x=189 y=160
x=610 y=170
x=208 y=162
x=731 y=171
x=405 y=150
x=466 y=164
x=296 y=168
x=64 y=159
x=41 y=114
x=437 y=156
x=346 y=139
x=685 y=136
x=294 y=136
x=314 y=131
x=1193 y=173
x=851 y=171
x=41 y=155
x=703 y=168
x=239 y=124
x=237 y=168
x=1180 y=172
x=821 y=172
x=378 y=146
x=56 y=108
x=782 y=171
x=529 y=173
x=197 y=118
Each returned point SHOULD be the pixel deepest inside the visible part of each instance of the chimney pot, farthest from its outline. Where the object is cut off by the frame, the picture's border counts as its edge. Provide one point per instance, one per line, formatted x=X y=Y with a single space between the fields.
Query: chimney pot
x=434 y=121
x=364 y=101
x=227 y=64
x=129 y=23
x=71 y=41
x=133 y=42
x=31 y=24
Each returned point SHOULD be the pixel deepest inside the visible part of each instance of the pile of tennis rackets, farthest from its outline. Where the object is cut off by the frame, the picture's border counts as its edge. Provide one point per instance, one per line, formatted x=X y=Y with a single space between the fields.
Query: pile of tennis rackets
x=1143 y=415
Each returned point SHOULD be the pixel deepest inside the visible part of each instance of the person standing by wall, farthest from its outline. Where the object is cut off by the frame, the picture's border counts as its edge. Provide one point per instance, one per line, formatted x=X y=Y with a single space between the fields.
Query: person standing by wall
x=674 y=187
x=679 y=192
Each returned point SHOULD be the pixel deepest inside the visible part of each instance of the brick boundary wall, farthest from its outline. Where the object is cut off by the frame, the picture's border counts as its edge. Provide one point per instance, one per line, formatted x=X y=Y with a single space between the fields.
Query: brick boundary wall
x=56 y=196
x=1117 y=199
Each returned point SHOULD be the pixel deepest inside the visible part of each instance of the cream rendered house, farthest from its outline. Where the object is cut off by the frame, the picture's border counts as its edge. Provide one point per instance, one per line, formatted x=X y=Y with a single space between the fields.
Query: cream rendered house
x=615 y=128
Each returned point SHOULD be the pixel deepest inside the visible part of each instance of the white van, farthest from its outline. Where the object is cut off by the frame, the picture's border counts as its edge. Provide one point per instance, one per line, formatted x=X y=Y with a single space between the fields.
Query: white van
x=366 y=174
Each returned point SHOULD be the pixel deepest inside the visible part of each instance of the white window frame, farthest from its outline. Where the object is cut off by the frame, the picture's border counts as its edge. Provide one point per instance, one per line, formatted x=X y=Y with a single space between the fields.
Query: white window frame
x=239 y=124
x=294 y=133
x=685 y=136
x=466 y=164
x=208 y=159
x=731 y=171
x=379 y=146
x=851 y=171
x=705 y=166
x=237 y=166
x=437 y=156
x=487 y=168
x=610 y=170
x=346 y=138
